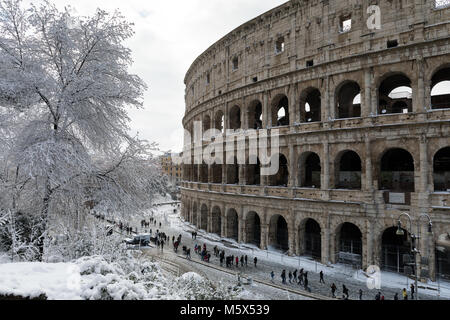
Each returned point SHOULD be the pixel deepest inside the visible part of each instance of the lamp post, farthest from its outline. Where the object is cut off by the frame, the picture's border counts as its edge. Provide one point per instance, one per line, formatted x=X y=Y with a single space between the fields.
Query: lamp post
x=414 y=239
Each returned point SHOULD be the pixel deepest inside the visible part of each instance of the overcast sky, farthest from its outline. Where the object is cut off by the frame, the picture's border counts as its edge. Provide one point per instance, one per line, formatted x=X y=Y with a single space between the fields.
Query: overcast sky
x=169 y=36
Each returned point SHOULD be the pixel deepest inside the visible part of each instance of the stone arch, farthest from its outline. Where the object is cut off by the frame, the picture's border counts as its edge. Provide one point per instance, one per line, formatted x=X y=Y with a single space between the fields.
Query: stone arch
x=310 y=238
x=203 y=217
x=281 y=178
x=348 y=100
x=395 y=91
x=396 y=170
x=253 y=228
x=280 y=105
x=194 y=220
x=309 y=170
x=206 y=123
x=253 y=172
x=232 y=171
x=348 y=170
x=440 y=88
x=216 y=220
x=278 y=232
x=219 y=121
x=216 y=172
x=349 y=244
x=254 y=113
x=441 y=169
x=393 y=249
x=204 y=174
x=235 y=117
x=232 y=224
x=310 y=105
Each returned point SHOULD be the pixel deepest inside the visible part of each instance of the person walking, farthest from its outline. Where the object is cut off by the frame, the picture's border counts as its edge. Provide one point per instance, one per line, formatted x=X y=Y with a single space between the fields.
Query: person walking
x=321 y=277
x=162 y=245
x=290 y=277
x=404 y=294
x=396 y=296
x=300 y=277
x=412 y=291
x=345 y=291
x=188 y=254
x=305 y=280
x=246 y=260
x=360 y=294
x=378 y=296
x=255 y=260
x=333 y=290
x=294 y=274
x=237 y=261
x=242 y=261
x=283 y=276
x=272 y=275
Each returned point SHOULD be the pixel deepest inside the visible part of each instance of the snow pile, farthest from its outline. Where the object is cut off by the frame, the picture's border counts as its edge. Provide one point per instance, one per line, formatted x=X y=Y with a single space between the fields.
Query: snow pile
x=132 y=277
x=32 y=279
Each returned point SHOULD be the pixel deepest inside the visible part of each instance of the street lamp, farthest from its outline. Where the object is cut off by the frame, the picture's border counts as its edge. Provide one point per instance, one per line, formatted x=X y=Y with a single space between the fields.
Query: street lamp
x=414 y=237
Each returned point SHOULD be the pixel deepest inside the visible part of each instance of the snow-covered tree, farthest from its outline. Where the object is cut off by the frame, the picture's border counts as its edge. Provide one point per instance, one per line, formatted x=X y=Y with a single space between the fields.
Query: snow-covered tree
x=65 y=90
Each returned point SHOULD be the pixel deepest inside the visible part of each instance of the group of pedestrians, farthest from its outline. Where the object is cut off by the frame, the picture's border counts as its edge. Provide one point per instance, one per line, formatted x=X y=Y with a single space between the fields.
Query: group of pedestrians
x=300 y=279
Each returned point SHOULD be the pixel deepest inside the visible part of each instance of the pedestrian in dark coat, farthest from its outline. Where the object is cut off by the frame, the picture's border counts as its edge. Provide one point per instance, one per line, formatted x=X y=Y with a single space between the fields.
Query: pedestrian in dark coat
x=321 y=277
x=333 y=290
x=290 y=277
x=255 y=260
x=345 y=291
x=245 y=260
x=242 y=261
x=283 y=276
x=237 y=261
x=294 y=274
x=360 y=294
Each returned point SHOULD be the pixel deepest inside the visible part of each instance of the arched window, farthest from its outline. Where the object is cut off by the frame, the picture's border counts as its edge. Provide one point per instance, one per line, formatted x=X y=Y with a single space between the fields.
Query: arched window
x=232 y=171
x=309 y=170
x=235 y=118
x=219 y=121
x=278 y=233
x=441 y=170
x=397 y=171
x=349 y=244
x=348 y=170
x=280 y=178
x=310 y=105
x=440 y=89
x=255 y=115
x=280 y=111
x=348 y=100
x=395 y=95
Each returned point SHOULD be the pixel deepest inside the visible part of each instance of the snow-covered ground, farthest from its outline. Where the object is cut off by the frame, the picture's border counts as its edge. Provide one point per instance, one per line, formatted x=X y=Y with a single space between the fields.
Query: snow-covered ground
x=274 y=260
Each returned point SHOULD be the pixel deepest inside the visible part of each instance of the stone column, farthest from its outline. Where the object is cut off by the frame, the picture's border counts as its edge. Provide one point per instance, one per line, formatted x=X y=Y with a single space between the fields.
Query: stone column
x=291 y=182
x=209 y=217
x=291 y=233
x=210 y=174
x=326 y=167
x=224 y=173
x=365 y=239
x=373 y=96
x=325 y=101
x=423 y=164
x=293 y=107
x=264 y=235
x=365 y=99
x=224 y=221
x=266 y=122
x=241 y=226
x=325 y=243
x=420 y=105
x=331 y=103
x=368 y=182
x=242 y=174
x=369 y=243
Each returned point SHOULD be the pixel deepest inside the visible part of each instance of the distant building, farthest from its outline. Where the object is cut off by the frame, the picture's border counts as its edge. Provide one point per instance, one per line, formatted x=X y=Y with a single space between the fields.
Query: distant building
x=174 y=171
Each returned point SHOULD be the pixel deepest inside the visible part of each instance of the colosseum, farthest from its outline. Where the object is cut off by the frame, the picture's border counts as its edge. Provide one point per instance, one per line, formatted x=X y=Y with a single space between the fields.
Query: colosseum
x=363 y=113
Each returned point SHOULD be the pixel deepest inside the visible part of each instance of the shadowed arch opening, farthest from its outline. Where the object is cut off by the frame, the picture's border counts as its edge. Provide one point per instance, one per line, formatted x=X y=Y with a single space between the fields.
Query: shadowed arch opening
x=310 y=241
x=278 y=233
x=253 y=173
x=255 y=115
x=280 y=111
x=204 y=217
x=206 y=123
x=397 y=171
x=393 y=249
x=216 y=172
x=232 y=171
x=219 y=121
x=441 y=170
x=253 y=228
x=395 y=95
x=203 y=173
x=281 y=178
x=310 y=105
x=348 y=170
x=216 y=223
x=235 y=118
x=349 y=244
x=440 y=89
x=348 y=100
x=309 y=170
x=194 y=220
x=232 y=224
